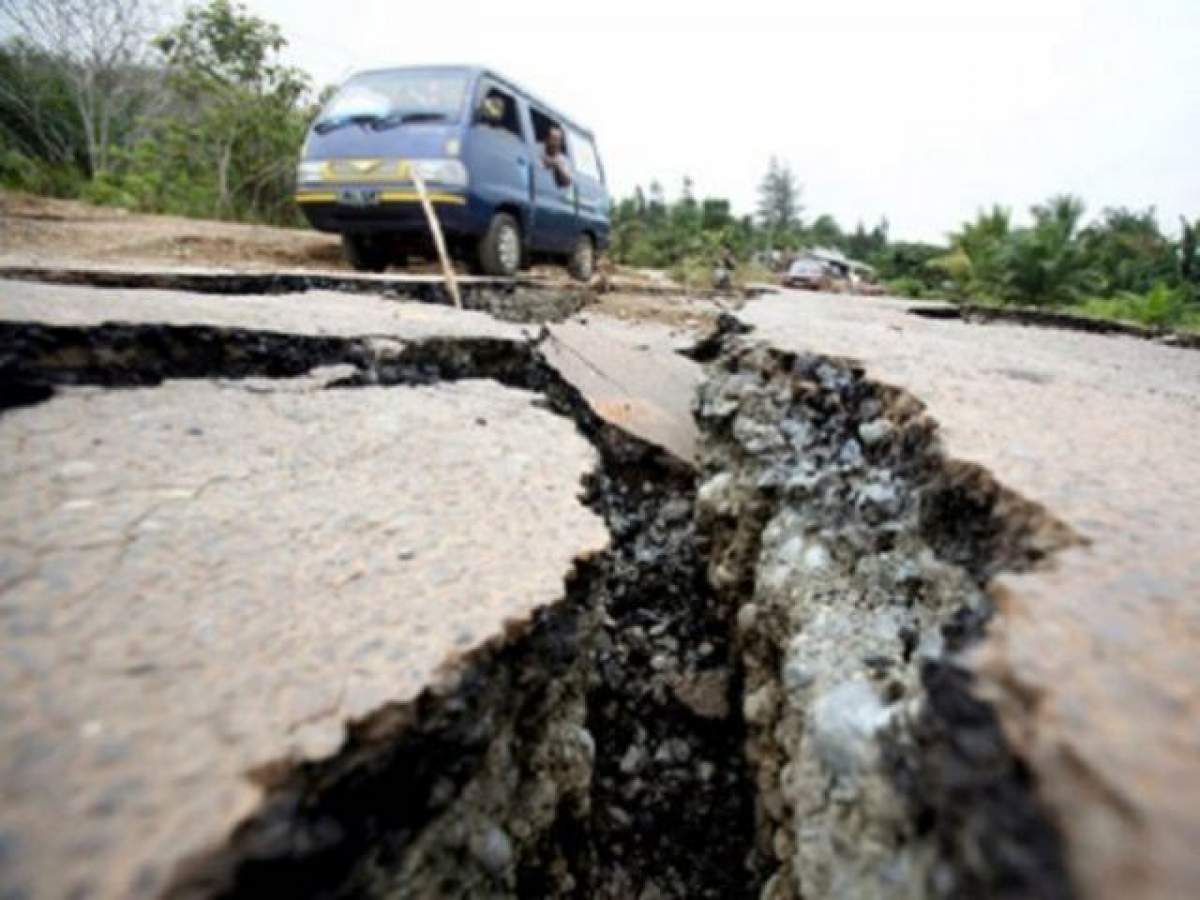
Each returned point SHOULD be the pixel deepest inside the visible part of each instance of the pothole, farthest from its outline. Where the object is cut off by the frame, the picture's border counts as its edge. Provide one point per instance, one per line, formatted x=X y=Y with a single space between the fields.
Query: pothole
x=753 y=693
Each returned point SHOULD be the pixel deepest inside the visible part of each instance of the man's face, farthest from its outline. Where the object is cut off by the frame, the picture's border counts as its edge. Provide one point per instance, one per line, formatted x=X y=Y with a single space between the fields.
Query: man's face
x=554 y=141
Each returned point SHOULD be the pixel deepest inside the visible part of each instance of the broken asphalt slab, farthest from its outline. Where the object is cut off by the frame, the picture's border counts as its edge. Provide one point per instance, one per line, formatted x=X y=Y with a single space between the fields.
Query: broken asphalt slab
x=520 y=299
x=633 y=377
x=207 y=580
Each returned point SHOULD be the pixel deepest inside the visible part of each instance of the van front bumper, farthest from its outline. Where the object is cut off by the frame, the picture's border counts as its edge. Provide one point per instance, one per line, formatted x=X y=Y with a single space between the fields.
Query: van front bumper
x=398 y=211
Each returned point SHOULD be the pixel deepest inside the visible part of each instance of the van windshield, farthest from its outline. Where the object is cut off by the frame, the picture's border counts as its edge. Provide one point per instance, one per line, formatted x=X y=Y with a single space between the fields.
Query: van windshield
x=394 y=97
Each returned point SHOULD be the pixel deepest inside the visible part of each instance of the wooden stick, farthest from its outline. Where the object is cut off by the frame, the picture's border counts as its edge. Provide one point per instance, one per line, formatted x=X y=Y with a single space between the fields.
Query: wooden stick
x=438 y=240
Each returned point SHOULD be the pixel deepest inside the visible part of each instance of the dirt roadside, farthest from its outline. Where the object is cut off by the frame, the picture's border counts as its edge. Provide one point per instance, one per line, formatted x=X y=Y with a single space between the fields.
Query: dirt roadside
x=42 y=231
x=38 y=228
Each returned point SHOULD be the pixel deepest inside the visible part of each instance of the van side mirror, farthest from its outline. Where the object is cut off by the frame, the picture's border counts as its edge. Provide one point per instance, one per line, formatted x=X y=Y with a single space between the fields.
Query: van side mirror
x=491 y=110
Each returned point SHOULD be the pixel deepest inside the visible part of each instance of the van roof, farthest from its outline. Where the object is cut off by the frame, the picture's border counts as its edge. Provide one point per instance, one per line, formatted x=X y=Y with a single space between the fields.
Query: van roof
x=475 y=71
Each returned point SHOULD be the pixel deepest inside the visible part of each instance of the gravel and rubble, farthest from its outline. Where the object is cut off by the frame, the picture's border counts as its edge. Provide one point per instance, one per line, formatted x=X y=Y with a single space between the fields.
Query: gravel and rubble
x=857 y=555
x=672 y=812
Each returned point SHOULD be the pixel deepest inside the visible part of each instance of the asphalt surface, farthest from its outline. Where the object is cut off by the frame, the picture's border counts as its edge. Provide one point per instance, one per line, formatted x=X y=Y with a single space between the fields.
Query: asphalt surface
x=1094 y=660
x=309 y=312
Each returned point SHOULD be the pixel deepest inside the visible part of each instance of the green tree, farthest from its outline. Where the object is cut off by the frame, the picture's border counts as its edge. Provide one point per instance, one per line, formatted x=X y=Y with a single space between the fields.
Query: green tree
x=825 y=232
x=1128 y=250
x=101 y=65
x=639 y=201
x=779 y=206
x=1189 y=251
x=715 y=214
x=865 y=245
x=42 y=143
x=628 y=225
x=685 y=215
x=242 y=116
x=909 y=263
x=973 y=263
x=687 y=196
x=656 y=206
x=1048 y=263
x=686 y=236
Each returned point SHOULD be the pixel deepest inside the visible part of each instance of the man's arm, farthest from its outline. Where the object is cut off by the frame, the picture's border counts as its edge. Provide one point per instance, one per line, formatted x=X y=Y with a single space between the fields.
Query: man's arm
x=561 y=167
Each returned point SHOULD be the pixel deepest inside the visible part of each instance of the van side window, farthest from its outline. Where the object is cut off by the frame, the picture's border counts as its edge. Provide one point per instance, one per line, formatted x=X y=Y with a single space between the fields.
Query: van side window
x=586 y=161
x=542 y=124
x=511 y=121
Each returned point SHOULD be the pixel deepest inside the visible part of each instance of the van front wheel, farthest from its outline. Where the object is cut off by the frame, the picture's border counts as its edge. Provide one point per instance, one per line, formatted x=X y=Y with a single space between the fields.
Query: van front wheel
x=500 y=248
x=365 y=253
x=582 y=264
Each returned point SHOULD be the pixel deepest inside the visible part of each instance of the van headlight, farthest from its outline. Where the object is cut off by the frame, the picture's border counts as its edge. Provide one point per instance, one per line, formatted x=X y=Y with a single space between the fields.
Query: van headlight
x=310 y=170
x=449 y=172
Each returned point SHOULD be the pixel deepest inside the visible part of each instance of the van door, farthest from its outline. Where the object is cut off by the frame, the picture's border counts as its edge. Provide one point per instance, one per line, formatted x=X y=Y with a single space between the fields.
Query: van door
x=498 y=156
x=555 y=225
x=592 y=195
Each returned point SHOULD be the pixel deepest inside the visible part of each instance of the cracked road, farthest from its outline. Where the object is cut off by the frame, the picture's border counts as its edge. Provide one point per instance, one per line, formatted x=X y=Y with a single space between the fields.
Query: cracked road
x=207 y=577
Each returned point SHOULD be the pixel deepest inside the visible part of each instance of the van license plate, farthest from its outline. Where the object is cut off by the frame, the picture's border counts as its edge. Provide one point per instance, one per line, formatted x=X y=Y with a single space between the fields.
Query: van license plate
x=358 y=197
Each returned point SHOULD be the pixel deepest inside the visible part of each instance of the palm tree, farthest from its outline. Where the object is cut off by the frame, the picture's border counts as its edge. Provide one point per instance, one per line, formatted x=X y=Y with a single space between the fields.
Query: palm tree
x=1047 y=264
x=976 y=249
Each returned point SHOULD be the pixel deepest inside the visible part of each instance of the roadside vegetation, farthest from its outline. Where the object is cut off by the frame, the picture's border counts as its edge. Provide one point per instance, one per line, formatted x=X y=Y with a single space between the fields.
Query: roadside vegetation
x=195 y=114
x=1121 y=265
x=107 y=101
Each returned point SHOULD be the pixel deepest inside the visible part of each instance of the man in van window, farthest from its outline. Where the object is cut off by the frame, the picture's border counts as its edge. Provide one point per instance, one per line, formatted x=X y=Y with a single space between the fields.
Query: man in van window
x=554 y=159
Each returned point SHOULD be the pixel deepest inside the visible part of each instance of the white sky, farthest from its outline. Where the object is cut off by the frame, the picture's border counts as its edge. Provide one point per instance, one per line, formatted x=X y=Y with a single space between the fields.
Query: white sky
x=921 y=110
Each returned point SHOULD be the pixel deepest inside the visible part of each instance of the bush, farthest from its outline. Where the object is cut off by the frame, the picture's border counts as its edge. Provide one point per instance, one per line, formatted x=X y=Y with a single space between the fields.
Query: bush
x=753 y=272
x=908 y=286
x=110 y=190
x=25 y=173
x=693 y=272
x=1162 y=307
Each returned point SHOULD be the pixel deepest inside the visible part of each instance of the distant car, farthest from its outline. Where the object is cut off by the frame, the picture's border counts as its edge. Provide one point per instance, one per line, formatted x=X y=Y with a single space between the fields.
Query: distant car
x=807 y=274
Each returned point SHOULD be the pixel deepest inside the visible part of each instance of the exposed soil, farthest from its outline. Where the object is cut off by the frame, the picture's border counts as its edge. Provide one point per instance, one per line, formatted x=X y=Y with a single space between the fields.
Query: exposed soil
x=42 y=228
x=692 y=313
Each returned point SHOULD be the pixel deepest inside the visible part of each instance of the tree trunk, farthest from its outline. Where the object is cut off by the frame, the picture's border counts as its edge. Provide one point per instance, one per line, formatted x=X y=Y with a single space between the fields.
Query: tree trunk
x=223 y=177
x=83 y=103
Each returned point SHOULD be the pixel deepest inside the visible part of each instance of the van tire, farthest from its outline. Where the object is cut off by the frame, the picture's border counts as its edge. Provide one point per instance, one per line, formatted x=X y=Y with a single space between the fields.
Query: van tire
x=496 y=248
x=582 y=264
x=365 y=253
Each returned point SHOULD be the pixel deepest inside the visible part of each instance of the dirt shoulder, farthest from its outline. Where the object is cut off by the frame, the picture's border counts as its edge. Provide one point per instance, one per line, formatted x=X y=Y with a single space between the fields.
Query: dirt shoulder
x=34 y=229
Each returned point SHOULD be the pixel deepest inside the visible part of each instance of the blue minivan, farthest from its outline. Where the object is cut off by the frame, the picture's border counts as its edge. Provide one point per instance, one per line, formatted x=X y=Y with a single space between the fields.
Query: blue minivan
x=478 y=141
